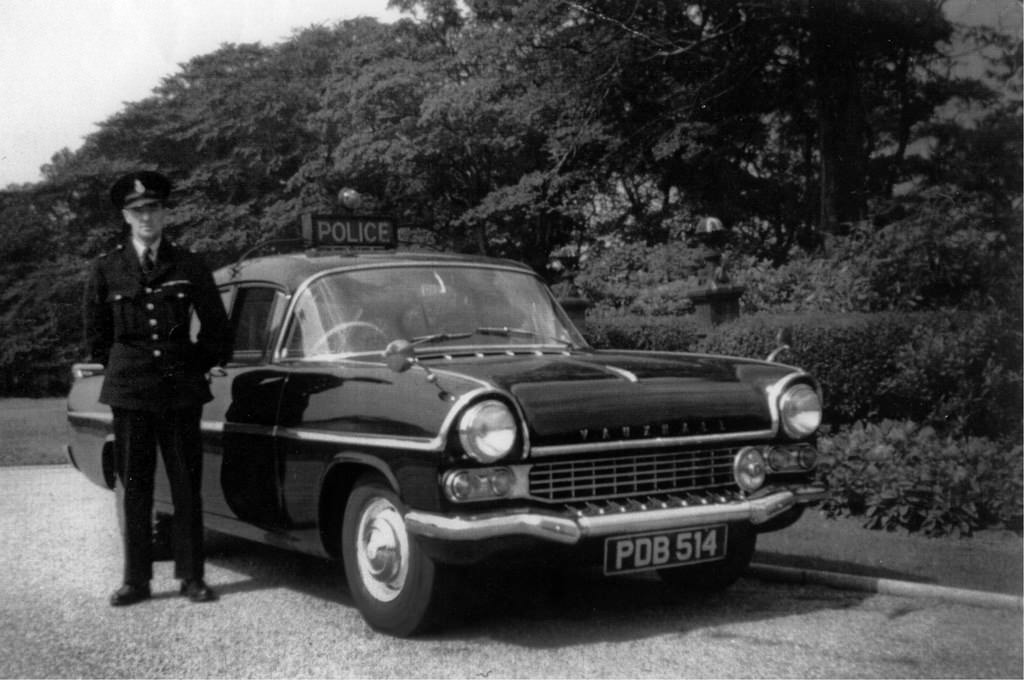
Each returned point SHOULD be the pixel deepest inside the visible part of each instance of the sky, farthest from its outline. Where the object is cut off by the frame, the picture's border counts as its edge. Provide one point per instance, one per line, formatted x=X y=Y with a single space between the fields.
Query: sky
x=66 y=65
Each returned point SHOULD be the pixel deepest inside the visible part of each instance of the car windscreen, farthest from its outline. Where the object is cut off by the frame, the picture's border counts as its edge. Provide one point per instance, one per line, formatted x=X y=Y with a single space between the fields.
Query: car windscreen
x=362 y=310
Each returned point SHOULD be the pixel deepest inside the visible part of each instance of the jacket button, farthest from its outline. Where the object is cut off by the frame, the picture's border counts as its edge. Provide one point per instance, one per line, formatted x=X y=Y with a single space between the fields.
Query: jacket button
x=149 y=305
x=155 y=336
x=152 y=322
x=149 y=290
x=157 y=352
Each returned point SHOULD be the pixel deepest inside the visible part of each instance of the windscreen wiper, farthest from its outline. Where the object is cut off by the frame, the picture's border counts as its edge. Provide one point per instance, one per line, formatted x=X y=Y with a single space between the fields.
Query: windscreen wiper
x=507 y=332
x=502 y=331
x=439 y=337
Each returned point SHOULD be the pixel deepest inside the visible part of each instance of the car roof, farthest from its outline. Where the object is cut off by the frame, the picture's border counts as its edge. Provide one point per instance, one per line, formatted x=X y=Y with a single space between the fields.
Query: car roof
x=292 y=269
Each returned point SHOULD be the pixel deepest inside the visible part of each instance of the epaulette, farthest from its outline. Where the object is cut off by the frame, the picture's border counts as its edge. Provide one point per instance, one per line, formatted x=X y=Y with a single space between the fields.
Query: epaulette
x=118 y=248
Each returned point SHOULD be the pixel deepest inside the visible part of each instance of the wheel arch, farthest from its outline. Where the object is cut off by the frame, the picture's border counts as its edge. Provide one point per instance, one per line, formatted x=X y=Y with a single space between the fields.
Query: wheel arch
x=338 y=481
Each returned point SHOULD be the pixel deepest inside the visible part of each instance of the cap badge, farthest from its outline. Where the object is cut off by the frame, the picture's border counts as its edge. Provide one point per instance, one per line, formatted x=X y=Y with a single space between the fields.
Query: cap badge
x=139 y=188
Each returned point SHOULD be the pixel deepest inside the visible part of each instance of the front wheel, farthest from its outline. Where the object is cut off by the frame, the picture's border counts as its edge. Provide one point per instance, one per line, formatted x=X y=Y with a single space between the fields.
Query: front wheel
x=398 y=588
x=718 y=575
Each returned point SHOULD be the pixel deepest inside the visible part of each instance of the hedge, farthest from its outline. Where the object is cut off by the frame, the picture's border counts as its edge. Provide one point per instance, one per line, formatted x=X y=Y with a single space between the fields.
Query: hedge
x=957 y=371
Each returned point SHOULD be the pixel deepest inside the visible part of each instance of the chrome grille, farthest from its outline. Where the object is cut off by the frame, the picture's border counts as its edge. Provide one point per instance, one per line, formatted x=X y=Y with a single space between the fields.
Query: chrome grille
x=629 y=476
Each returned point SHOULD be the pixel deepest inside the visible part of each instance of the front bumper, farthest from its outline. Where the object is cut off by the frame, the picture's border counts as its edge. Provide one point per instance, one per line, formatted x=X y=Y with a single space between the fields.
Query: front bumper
x=570 y=530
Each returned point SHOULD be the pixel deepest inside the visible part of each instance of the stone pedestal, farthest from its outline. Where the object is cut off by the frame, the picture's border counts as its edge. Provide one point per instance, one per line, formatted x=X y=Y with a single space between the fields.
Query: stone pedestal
x=715 y=305
x=576 y=308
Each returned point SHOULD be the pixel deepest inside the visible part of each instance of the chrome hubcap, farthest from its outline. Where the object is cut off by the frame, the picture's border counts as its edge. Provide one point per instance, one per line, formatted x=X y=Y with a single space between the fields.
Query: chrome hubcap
x=383 y=550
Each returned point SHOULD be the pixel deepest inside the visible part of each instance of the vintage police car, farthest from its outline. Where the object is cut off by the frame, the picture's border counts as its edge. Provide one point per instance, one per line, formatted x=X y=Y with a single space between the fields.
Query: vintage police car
x=407 y=413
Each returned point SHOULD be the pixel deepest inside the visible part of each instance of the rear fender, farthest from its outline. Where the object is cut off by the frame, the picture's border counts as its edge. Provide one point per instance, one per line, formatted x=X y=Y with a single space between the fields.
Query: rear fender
x=90 y=427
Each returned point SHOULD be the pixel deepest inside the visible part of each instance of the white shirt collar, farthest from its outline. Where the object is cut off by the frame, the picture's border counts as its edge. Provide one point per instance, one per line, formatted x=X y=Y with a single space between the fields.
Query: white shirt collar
x=140 y=247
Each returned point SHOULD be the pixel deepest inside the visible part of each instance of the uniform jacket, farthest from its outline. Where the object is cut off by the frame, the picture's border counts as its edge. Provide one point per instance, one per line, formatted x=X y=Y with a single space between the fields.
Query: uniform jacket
x=139 y=327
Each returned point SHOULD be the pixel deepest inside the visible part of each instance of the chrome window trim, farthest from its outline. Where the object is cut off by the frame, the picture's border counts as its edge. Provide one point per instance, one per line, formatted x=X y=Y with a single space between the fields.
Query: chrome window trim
x=278 y=353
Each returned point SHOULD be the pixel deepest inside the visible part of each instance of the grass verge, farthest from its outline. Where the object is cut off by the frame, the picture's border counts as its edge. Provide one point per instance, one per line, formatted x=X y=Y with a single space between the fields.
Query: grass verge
x=33 y=431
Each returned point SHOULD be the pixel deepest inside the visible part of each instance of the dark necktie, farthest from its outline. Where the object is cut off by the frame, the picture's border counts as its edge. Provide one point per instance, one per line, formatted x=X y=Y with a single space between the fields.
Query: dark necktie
x=147 y=260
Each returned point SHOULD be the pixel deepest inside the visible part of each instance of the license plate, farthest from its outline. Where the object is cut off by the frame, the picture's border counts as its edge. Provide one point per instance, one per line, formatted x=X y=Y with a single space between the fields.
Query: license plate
x=658 y=550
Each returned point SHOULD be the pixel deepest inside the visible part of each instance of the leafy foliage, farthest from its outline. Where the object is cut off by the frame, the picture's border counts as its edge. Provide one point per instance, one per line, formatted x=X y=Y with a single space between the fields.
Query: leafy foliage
x=649 y=279
x=944 y=251
x=898 y=475
x=517 y=127
x=632 y=331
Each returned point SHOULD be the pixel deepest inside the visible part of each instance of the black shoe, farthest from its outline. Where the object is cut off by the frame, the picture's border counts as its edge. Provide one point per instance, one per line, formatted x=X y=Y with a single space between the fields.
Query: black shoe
x=198 y=591
x=128 y=594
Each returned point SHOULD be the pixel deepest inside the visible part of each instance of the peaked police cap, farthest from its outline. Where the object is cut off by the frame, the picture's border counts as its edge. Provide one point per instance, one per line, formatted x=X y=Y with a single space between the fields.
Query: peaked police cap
x=140 y=188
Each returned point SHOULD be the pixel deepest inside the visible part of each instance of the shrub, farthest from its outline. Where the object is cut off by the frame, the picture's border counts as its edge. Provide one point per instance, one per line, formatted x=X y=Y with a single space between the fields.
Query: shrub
x=803 y=284
x=962 y=371
x=849 y=354
x=959 y=372
x=651 y=277
x=611 y=330
x=946 y=251
x=899 y=475
x=949 y=251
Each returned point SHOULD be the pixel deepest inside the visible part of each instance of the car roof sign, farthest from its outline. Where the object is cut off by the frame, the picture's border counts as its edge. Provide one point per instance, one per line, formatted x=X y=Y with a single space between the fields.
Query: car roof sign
x=349 y=231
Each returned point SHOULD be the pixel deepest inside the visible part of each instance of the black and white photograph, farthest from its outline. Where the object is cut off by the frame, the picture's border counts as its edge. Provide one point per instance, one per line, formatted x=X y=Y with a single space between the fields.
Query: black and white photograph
x=512 y=339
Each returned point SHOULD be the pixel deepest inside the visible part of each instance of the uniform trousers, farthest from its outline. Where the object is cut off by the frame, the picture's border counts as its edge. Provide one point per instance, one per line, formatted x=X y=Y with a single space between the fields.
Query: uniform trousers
x=137 y=435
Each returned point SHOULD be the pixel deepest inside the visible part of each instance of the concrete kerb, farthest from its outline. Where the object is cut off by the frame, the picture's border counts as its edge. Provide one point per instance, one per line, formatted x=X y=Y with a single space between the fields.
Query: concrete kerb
x=884 y=586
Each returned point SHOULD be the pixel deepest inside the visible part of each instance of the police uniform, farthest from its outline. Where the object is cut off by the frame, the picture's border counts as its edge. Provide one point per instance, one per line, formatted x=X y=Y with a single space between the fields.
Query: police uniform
x=138 y=324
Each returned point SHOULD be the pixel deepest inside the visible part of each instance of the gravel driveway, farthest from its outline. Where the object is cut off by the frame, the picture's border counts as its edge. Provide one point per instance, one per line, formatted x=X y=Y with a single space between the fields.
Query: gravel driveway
x=288 y=615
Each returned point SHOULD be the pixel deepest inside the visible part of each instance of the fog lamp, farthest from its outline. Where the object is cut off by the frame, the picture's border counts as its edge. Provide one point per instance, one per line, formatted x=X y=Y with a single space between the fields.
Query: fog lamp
x=749 y=469
x=460 y=486
x=502 y=481
x=807 y=457
x=779 y=459
x=463 y=486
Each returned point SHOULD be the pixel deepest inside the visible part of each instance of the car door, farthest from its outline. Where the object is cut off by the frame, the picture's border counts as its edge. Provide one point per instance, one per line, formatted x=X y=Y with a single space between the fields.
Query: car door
x=242 y=473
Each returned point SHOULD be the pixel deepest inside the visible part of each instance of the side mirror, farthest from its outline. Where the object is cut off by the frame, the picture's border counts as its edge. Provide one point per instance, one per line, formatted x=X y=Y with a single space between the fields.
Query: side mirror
x=399 y=355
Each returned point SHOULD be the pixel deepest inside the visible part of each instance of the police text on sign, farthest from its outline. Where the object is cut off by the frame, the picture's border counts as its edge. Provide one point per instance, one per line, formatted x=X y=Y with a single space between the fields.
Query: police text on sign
x=348 y=231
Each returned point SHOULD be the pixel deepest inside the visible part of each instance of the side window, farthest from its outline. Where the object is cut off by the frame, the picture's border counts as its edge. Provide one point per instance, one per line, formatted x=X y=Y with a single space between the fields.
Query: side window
x=254 y=314
x=306 y=327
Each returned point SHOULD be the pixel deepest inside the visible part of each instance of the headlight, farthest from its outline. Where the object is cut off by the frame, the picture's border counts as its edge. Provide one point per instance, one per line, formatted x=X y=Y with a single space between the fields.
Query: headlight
x=487 y=431
x=800 y=411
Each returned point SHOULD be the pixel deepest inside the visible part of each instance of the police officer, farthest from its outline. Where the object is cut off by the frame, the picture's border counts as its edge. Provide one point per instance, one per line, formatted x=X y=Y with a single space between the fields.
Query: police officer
x=140 y=301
